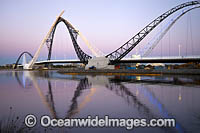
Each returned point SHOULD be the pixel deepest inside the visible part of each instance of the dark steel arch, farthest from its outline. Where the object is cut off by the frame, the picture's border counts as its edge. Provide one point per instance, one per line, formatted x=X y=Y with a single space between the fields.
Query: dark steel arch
x=73 y=34
x=20 y=58
x=122 y=51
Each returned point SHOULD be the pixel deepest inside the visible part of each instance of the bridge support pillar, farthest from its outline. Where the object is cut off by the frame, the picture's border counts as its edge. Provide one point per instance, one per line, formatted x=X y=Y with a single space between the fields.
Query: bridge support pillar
x=99 y=63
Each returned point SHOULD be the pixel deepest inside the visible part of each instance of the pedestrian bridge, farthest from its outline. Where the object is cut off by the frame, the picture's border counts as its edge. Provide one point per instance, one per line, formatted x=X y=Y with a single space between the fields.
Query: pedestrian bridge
x=119 y=55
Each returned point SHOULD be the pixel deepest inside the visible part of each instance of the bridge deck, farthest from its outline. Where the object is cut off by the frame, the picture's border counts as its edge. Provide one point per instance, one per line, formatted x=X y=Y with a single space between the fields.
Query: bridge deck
x=174 y=59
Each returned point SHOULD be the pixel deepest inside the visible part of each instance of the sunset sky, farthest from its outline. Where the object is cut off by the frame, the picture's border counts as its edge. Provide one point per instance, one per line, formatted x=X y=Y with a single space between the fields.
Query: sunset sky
x=107 y=24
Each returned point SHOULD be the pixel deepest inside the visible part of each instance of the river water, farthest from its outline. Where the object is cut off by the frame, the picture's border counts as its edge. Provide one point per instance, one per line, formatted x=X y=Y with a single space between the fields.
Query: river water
x=116 y=96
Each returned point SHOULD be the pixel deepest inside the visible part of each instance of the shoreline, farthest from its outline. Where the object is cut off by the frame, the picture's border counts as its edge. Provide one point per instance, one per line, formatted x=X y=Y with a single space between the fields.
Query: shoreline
x=152 y=72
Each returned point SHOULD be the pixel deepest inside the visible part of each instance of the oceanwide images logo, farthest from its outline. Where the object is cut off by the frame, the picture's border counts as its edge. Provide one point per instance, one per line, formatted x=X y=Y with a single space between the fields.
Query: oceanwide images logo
x=129 y=123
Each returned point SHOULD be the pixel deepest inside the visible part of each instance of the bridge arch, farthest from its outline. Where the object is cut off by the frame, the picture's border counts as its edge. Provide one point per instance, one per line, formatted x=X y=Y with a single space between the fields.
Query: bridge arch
x=25 y=52
x=123 y=50
x=73 y=34
x=150 y=46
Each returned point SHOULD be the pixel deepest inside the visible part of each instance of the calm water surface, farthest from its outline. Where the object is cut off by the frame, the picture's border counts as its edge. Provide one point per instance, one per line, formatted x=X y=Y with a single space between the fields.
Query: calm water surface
x=77 y=96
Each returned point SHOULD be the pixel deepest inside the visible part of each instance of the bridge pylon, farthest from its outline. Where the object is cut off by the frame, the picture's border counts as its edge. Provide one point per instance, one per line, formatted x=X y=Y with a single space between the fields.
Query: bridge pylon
x=35 y=57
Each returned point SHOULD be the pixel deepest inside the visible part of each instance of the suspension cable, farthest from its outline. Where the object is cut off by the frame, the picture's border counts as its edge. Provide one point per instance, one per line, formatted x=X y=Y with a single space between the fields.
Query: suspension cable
x=191 y=34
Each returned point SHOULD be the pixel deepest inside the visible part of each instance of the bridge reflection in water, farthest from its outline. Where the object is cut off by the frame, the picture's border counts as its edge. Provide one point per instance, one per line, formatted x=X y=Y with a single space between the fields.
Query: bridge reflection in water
x=77 y=96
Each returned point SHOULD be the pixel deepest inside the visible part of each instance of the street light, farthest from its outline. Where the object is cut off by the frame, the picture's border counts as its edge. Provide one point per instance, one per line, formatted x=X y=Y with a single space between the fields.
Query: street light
x=179 y=49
